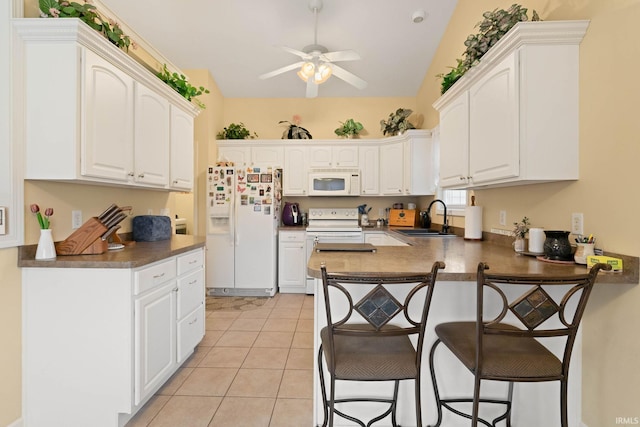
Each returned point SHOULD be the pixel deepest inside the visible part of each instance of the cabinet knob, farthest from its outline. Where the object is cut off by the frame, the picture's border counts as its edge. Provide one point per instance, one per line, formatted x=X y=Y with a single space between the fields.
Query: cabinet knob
x=462 y=178
x=175 y=181
x=141 y=175
x=130 y=174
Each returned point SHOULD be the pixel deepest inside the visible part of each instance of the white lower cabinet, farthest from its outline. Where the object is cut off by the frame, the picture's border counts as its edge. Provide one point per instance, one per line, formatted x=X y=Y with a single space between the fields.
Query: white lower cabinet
x=99 y=342
x=292 y=262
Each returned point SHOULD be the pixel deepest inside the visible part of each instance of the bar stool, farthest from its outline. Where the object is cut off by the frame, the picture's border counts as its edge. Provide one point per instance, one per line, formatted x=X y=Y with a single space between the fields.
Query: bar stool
x=363 y=345
x=494 y=350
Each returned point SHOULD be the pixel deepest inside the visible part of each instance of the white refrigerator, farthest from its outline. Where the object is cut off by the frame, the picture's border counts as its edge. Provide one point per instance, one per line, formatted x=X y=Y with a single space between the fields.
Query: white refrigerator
x=243 y=208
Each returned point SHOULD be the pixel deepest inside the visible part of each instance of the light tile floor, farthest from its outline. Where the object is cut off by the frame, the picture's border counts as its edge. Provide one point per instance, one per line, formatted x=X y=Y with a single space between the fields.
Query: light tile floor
x=253 y=368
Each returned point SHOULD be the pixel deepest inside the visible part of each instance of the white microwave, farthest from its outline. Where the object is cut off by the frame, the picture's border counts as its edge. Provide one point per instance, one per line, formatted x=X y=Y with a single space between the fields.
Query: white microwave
x=334 y=182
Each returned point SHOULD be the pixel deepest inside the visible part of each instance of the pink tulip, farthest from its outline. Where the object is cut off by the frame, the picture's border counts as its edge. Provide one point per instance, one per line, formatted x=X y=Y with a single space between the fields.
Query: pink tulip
x=35 y=208
x=48 y=212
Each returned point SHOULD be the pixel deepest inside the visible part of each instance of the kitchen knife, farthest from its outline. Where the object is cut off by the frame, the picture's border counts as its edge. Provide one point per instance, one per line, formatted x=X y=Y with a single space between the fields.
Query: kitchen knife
x=109 y=232
x=107 y=219
x=107 y=211
x=115 y=220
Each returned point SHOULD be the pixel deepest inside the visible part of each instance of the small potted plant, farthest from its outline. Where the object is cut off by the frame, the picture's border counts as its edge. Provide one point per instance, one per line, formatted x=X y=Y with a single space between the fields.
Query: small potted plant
x=349 y=129
x=397 y=123
x=520 y=230
x=294 y=130
x=236 y=131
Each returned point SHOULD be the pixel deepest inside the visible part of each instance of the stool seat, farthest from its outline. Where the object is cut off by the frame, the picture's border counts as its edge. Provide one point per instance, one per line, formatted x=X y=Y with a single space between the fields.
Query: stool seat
x=367 y=358
x=501 y=360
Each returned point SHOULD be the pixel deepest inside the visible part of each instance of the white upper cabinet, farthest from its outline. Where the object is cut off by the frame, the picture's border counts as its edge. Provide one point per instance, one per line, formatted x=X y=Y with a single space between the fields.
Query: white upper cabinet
x=369 y=170
x=398 y=165
x=181 y=164
x=240 y=156
x=108 y=99
x=513 y=118
x=336 y=156
x=110 y=123
x=391 y=169
x=295 y=171
x=152 y=135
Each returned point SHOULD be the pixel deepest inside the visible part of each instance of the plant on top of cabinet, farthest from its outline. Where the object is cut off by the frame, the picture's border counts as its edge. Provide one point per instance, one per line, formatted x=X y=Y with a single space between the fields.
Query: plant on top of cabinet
x=236 y=131
x=349 y=129
x=397 y=123
x=494 y=25
x=88 y=14
x=295 y=131
x=180 y=84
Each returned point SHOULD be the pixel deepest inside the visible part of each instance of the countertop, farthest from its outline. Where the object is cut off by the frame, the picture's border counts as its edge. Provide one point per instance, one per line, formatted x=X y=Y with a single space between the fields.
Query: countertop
x=461 y=258
x=133 y=256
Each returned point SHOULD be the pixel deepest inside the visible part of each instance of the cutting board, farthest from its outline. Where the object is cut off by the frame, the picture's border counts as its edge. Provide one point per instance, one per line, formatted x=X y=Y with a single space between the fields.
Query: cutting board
x=345 y=247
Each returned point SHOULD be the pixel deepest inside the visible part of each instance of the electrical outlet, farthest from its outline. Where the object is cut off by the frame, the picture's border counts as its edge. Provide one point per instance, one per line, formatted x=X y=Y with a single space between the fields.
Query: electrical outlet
x=165 y=212
x=577 y=223
x=149 y=211
x=76 y=219
x=503 y=218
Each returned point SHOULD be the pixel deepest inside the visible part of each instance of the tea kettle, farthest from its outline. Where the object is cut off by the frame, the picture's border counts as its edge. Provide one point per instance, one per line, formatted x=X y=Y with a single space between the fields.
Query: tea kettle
x=291 y=214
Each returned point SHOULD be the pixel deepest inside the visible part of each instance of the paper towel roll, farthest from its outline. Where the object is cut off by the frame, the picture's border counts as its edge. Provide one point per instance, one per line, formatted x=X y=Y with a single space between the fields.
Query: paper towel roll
x=473 y=222
x=536 y=240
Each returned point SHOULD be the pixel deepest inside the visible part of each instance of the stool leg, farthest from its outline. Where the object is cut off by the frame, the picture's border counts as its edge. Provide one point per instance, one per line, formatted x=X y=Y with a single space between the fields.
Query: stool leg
x=418 y=401
x=510 y=399
x=476 y=399
x=322 y=387
x=435 y=383
x=564 y=422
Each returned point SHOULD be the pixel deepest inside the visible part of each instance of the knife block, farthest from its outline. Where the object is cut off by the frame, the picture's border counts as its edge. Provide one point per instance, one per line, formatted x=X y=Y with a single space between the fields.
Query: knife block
x=85 y=240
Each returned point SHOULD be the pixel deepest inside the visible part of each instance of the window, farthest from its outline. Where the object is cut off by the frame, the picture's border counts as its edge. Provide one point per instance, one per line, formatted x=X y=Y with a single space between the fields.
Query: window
x=456 y=200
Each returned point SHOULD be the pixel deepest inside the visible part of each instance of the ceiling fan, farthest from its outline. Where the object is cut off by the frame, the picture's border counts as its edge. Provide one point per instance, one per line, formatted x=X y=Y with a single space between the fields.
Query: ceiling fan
x=317 y=63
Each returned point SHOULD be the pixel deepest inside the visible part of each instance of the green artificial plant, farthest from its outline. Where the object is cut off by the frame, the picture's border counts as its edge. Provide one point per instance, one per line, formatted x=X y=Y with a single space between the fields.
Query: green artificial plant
x=349 y=128
x=236 y=131
x=180 y=84
x=397 y=123
x=494 y=25
x=88 y=14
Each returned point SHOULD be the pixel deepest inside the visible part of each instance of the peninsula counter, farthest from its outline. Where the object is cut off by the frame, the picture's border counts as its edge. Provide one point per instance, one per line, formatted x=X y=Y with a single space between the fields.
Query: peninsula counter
x=535 y=404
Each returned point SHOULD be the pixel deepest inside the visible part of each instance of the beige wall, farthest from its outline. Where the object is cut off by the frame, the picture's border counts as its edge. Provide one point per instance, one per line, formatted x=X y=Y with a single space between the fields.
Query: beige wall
x=320 y=116
x=10 y=337
x=609 y=151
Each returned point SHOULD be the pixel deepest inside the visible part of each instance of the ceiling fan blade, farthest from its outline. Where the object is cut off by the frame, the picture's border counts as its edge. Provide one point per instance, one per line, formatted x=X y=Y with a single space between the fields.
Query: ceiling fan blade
x=312 y=89
x=296 y=52
x=348 y=77
x=281 y=70
x=341 y=55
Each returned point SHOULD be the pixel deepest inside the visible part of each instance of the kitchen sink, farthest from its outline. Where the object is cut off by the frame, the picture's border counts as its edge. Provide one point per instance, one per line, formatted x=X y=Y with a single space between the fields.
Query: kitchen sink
x=423 y=232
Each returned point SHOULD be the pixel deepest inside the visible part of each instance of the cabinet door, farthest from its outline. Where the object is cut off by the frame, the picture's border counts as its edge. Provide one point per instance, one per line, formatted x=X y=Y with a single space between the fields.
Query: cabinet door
x=240 y=156
x=369 y=170
x=454 y=143
x=107 y=130
x=294 y=174
x=493 y=119
x=151 y=144
x=267 y=156
x=391 y=168
x=345 y=156
x=292 y=262
x=419 y=166
x=155 y=339
x=320 y=156
x=181 y=163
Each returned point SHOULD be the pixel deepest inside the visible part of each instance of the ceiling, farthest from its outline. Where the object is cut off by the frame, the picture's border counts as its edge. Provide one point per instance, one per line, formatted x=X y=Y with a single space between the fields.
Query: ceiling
x=238 y=40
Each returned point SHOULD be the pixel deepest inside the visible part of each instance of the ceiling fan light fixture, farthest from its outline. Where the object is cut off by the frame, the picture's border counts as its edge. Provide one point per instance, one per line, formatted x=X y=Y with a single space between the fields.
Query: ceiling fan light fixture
x=322 y=74
x=307 y=70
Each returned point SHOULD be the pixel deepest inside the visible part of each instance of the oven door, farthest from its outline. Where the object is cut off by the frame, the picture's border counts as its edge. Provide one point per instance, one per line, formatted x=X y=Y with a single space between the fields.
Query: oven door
x=328 y=237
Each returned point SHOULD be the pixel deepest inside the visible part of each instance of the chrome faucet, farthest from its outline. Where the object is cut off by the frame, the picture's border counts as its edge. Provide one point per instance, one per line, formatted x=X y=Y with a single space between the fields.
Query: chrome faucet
x=445 y=225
